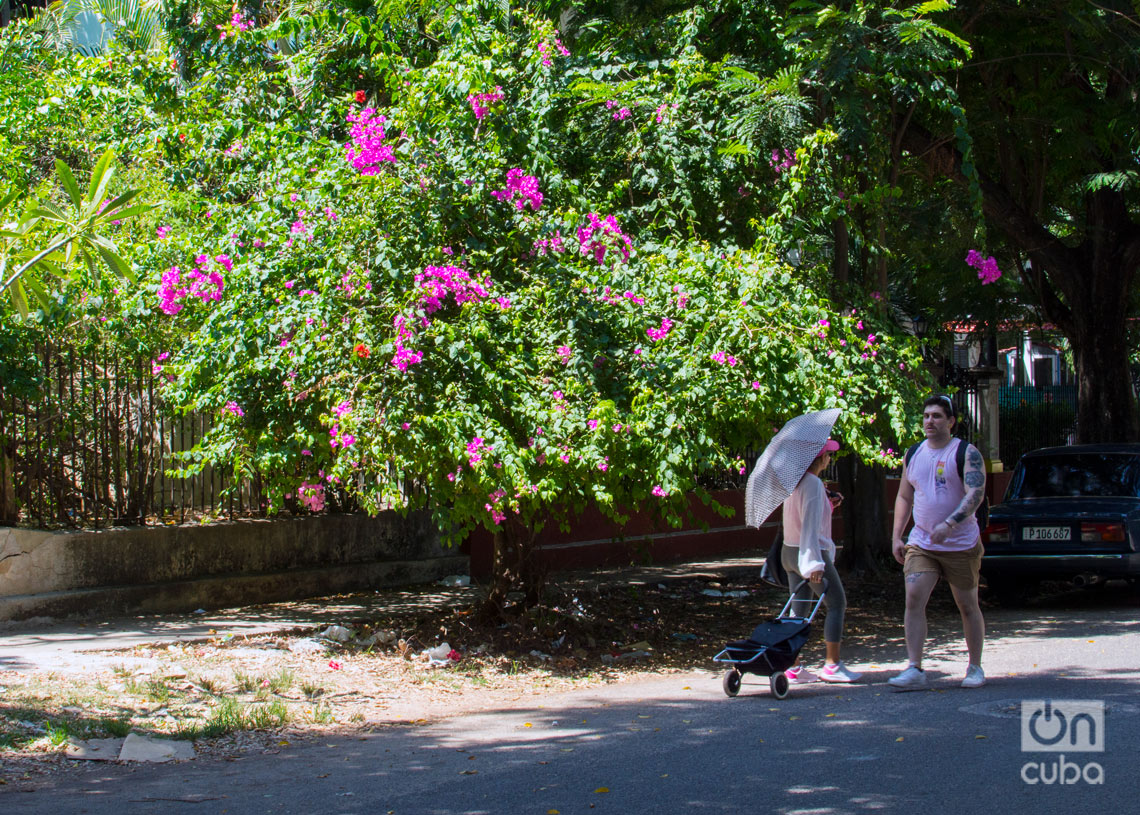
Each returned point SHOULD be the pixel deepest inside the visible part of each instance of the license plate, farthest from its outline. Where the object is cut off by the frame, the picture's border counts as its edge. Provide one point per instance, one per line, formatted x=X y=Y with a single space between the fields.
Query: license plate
x=1047 y=533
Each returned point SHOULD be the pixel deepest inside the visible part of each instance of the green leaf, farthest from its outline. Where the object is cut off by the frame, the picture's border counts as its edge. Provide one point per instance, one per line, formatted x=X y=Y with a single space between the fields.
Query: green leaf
x=69 y=185
x=101 y=176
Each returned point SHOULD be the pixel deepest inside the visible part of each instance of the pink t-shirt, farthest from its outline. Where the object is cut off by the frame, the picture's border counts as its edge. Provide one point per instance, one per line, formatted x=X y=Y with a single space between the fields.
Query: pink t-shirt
x=938 y=490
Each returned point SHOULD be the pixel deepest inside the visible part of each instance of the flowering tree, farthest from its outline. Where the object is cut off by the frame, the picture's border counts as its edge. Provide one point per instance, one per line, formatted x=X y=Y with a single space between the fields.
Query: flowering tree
x=501 y=288
x=435 y=317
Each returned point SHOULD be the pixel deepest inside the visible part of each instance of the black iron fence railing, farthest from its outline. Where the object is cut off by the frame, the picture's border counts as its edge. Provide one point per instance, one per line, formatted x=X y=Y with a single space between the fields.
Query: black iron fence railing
x=90 y=446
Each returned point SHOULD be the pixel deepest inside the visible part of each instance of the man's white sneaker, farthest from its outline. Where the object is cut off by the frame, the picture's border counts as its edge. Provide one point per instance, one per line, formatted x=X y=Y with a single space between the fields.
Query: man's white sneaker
x=975 y=677
x=911 y=679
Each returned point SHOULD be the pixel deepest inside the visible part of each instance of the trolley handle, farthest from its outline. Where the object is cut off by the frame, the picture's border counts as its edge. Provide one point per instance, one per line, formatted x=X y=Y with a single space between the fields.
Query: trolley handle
x=818 y=600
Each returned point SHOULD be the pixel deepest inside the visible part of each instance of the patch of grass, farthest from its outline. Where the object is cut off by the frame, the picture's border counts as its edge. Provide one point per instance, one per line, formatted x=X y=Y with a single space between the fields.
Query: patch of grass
x=57 y=733
x=231 y=717
x=246 y=683
x=208 y=684
x=227 y=717
x=282 y=680
x=265 y=717
x=116 y=728
x=312 y=690
x=156 y=691
x=323 y=714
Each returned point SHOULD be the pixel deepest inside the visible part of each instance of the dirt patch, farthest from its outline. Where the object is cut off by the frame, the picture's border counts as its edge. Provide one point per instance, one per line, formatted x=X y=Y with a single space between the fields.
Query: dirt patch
x=232 y=694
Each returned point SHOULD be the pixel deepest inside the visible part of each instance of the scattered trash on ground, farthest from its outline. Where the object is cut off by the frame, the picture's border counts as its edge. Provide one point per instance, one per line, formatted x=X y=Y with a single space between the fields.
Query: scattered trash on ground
x=442 y=654
x=337 y=633
x=454 y=580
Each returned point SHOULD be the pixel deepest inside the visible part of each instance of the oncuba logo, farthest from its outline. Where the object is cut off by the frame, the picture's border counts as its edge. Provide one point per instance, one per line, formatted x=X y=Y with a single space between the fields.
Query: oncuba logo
x=1062 y=726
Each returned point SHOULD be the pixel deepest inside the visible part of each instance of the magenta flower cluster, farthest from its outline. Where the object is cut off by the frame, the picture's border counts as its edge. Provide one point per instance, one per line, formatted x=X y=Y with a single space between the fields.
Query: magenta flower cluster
x=436 y=283
x=368 y=152
x=311 y=496
x=599 y=235
x=656 y=334
x=404 y=356
x=236 y=25
x=663 y=110
x=482 y=102
x=547 y=49
x=988 y=270
x=621 y=112
x=201 y=282
x=234 y=408
x=521 y=189
x=781 y=161
x=543 y=246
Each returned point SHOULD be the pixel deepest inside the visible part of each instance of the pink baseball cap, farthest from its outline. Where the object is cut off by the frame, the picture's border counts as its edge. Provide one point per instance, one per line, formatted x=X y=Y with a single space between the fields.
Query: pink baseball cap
x=829 y=446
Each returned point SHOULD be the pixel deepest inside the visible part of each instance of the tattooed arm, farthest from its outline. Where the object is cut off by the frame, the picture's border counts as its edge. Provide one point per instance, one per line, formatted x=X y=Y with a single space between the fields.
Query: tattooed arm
x=974 y=480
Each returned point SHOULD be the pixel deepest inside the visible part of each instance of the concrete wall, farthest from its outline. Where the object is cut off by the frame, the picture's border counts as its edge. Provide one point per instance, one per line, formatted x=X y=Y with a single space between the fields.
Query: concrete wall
x=182 y=568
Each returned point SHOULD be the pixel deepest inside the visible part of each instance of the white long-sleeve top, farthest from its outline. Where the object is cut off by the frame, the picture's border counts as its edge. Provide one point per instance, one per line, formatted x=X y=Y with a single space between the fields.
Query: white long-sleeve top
x=807 y=523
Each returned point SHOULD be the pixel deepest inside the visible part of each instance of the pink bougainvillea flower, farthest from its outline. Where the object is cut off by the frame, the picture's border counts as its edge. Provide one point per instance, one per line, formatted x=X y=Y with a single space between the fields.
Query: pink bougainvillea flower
x=520 y=189
x=659 y=492
x=235 y=409
x=368 y=151
x=988 y=270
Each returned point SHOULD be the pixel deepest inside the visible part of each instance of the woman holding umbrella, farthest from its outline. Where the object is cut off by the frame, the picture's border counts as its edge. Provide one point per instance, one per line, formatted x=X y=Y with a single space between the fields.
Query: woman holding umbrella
x=810 y=552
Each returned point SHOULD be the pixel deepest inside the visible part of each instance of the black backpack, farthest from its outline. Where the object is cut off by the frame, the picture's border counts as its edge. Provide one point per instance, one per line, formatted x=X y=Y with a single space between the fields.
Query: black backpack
x=982 y=513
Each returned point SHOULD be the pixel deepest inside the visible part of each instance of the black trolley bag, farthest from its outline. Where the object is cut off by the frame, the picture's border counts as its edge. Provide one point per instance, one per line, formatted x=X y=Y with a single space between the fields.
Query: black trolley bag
x=771 y=649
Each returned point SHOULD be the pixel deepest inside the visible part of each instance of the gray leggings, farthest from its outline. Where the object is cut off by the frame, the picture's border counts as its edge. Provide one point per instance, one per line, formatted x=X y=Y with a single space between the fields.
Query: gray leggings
x=835 y=600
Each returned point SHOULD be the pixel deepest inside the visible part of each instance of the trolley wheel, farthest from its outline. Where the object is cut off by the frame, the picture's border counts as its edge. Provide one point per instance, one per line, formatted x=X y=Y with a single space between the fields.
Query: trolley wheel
x=731 y=682
x=779 y=684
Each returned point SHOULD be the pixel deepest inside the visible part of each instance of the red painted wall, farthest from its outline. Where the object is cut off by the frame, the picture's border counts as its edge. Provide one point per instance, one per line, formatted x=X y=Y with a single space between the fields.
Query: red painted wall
x=593 y=540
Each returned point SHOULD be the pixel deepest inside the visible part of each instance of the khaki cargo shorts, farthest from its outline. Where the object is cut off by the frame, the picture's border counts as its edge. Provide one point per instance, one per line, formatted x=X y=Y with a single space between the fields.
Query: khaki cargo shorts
x=960 y=569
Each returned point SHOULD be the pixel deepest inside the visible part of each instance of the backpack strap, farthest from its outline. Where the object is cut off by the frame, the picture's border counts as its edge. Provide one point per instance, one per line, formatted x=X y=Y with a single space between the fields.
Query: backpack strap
x=960 y=458
x=910 y=453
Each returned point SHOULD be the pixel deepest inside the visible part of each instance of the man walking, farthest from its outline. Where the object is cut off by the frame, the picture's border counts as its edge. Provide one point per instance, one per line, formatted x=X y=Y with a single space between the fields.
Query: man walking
x=943 y=488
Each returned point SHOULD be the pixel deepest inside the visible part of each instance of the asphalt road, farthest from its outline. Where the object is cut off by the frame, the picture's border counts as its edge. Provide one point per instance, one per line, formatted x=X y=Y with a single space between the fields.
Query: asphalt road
x=678 y=744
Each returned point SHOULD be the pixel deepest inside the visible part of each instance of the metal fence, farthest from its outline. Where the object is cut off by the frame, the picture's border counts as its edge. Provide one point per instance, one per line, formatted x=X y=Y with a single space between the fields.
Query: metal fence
x=1033 y=417
x=91 y=446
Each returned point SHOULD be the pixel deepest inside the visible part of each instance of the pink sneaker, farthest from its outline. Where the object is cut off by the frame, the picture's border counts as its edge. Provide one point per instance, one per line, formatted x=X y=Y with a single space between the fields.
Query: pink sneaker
x=800 y=675
x=838 y=673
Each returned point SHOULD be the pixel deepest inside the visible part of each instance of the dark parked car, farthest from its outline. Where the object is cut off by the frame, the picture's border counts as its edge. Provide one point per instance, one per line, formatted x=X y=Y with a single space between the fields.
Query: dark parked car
x=1069 y=513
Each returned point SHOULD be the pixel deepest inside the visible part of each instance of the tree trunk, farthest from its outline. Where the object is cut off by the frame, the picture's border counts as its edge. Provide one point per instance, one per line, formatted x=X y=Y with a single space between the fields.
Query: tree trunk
x=862 y=486
x=515 y=567
x=1106 y=408
x=8 y=511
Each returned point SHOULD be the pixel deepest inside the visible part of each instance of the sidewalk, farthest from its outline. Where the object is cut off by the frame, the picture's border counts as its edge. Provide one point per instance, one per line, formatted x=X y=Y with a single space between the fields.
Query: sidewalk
x=83 y=645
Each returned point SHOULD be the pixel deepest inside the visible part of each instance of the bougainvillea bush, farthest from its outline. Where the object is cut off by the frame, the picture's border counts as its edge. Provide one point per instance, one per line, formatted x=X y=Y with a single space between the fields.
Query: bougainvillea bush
x=431 y=288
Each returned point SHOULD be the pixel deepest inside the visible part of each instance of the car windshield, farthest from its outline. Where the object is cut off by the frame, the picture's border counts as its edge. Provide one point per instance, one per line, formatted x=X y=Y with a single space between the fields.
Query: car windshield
x=1100 y=474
